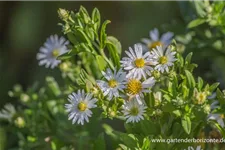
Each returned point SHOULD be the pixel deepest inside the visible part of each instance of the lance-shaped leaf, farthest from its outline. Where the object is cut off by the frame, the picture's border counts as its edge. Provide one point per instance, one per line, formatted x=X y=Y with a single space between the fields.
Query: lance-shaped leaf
x=188 y=58
x=96 y=17
x=190 y=79
x=213 y=86
x=103 y=35
x=220 y=96
x=196 y=22
x=200 y=83
x=114 y=47
x=99 y=143
x=101 y=62
x=53 y=86
x=186 y=124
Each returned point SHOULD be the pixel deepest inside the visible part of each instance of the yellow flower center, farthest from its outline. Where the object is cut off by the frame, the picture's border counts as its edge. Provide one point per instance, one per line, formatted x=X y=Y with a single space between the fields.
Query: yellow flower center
x=55 y=53
x=163 y=60
x=112 y=83
x=82 y=106
x=140 y=62
x=155 y=44
x=201 y=97
x=134 y=111
x=222 y=116
x=134 y=86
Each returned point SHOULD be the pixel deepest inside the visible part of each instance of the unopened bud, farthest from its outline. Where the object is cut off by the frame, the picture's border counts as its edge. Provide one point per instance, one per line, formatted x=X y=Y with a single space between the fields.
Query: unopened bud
x=24 y=98
x=207 y=109
x=63 y=14
x=19 y=122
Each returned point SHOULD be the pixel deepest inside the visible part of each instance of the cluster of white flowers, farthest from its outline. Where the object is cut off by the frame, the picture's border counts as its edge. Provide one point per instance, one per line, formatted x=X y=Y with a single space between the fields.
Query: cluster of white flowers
x=136 y=77
x=130 y=82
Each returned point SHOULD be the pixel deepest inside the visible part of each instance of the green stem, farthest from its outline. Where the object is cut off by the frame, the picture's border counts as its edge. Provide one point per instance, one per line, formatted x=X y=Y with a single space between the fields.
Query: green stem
x=107 y=60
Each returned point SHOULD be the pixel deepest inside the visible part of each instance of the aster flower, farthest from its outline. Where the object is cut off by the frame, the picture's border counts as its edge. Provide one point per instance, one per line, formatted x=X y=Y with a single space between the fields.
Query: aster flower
x=53 y=47
x=155 y=39
x=137 y=63
x=114 y=84
x=133 y=111
x=136 y=88
x=217 y=117
x=79 y=107
x=8 y=112
x=164 y=57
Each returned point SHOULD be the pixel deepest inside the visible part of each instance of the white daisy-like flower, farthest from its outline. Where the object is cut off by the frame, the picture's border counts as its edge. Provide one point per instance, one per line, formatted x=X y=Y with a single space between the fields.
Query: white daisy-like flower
x=155 y=40
x=138 y=64
x=53 y=47
x=136 y=88
x=133 y=111
x=164 y=57
x=115 y=83
x=79 y=107
x=192 y=148
x=218 y=118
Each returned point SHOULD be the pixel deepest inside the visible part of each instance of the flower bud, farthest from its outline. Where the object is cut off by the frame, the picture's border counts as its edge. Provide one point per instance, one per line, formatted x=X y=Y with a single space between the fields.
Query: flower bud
x=65 y=66
x=158 y=112
x=112 y=113
x=156 y=74
x=63 y=14
x=19 y=122
x=207 y=109
x=24 y=98
x=158 y=98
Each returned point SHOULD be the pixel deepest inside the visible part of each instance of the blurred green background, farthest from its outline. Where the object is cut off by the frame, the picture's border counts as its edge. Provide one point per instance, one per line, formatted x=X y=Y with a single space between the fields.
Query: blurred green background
x=24 y=27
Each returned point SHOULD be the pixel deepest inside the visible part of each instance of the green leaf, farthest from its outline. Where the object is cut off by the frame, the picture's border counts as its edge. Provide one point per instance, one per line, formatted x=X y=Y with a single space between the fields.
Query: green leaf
x=200 y=83
x=53 y=86
x=168 y=107
x=213 y=86
x=84 y=14
x=180 y=61
x=144 y=127
x=53 y=145
x=114 y=47
x=186 y=124
x=83 y=36
x=67 y=55
x=177 y=129
x=188 y=58
x=220 y=96
x=172 y=87
x=128 y=139
x=99 y=143
x=96 y=17
x=116 y=43
x=222 y=130
x=72 y=38
x=195 y=23
x=146 y=143
x=103 y=35
x=101 y=62
x=3 y=138
x=200 y=8
x=190 y=79
x=161 y=146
